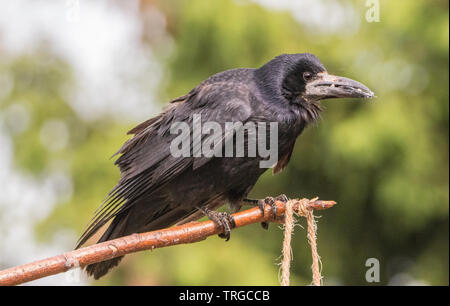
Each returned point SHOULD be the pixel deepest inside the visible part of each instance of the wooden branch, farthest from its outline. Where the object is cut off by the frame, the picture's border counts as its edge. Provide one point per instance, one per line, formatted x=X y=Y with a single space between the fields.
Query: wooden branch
x=186 y=233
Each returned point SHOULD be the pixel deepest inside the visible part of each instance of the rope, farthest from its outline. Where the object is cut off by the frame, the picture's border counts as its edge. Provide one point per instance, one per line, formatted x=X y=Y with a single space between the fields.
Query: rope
x=301 y=208
x=287 y=250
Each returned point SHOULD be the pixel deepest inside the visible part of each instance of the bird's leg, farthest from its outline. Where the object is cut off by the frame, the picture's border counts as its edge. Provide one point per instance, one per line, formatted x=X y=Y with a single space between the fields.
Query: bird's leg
x=270 y=201
x=260 y=205
x=224 y=220
x=250 y=201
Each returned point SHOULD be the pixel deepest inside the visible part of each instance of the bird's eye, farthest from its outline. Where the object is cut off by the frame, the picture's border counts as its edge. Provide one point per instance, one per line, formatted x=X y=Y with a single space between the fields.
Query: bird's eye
x=307 y=76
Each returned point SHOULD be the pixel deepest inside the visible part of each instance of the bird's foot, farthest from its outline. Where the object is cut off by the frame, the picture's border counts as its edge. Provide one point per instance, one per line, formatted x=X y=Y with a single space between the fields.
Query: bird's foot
x=261 y=206
x=267 y=201
x=223 y=220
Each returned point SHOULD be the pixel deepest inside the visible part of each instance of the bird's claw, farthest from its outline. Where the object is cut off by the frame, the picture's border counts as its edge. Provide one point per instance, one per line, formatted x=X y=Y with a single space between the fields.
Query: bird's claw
x=282 y=198
x=268 y=201
x=223 y=220
x=272 y=203
x=227 y=223
x=265 y=225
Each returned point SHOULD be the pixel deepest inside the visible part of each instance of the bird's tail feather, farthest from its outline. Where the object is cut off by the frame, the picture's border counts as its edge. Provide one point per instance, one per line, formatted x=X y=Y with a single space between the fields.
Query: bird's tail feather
x=99 y=269
x=130 y=222
x=116 y=229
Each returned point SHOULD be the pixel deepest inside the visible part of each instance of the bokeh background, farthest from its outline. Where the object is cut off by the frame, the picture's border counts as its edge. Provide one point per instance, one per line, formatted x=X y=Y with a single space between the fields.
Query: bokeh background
x=76 y=75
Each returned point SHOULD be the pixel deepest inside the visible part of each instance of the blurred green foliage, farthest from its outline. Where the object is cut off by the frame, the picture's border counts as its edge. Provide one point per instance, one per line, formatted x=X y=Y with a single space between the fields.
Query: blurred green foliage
x=385 y=163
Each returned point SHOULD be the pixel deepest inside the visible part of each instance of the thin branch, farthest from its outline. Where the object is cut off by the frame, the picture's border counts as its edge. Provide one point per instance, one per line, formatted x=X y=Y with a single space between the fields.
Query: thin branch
x=187 y=233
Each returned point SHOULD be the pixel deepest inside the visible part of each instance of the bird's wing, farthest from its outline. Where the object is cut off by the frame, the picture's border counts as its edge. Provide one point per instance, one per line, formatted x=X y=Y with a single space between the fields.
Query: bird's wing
x=146 y=163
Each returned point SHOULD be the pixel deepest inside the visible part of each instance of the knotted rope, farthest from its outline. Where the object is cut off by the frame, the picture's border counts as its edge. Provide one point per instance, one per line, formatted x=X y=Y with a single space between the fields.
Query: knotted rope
x=301 y=208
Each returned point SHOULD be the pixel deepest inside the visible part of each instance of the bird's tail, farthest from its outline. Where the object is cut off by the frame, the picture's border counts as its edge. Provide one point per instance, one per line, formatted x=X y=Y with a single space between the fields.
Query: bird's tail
x=135 y=220
x=116 y=229
x=99 y=269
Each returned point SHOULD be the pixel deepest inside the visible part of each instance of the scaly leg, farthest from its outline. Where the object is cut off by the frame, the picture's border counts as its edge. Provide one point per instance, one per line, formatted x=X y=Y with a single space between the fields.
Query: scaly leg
x=224 y=220
x=262 y=204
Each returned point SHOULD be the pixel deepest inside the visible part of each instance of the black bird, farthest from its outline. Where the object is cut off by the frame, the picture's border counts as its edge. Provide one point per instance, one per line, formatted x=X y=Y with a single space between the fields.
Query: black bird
x=157 y=189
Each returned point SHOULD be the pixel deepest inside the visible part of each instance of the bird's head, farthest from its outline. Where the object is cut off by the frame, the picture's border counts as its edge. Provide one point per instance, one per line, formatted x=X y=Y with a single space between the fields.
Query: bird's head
x=302 y=79
x=306 y=81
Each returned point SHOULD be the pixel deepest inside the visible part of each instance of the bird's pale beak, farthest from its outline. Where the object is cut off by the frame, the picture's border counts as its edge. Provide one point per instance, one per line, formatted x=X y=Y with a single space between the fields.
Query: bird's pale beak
x=326 y=86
